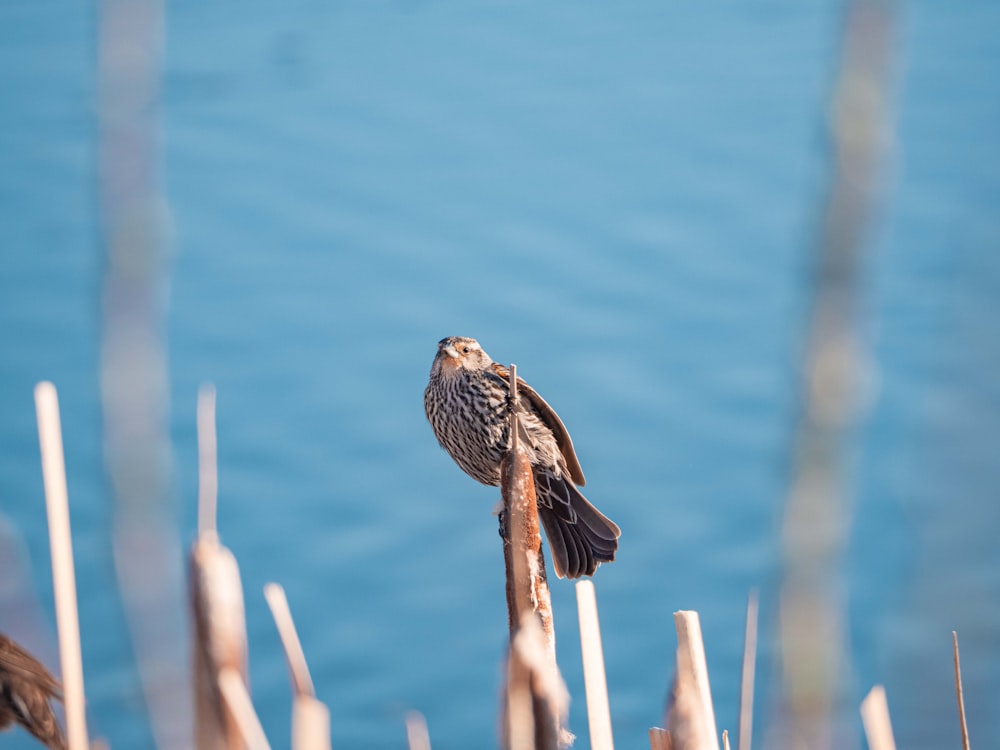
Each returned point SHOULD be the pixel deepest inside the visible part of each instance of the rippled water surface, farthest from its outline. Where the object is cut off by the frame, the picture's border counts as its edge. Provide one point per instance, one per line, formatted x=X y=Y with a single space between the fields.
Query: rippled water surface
x=621 y=200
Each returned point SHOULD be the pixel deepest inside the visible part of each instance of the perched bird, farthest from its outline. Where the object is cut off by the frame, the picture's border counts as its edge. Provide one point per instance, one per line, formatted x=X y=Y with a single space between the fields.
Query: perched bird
x=467 y=403
x=26 y=692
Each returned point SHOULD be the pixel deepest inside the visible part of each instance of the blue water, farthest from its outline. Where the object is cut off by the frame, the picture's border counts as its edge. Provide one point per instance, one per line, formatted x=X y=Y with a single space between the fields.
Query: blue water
x=621 y=201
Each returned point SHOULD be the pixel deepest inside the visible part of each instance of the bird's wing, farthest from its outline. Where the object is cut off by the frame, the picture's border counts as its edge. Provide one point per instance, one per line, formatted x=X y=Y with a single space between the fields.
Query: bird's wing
x=551 y=420
x=16 y=661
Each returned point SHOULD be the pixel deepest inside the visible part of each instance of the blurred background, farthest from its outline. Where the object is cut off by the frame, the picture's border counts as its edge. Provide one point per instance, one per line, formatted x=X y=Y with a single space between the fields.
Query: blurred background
x=297 y=200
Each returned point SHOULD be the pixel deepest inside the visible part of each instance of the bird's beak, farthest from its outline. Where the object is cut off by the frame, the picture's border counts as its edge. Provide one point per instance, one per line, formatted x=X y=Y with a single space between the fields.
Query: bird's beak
x=450 y=350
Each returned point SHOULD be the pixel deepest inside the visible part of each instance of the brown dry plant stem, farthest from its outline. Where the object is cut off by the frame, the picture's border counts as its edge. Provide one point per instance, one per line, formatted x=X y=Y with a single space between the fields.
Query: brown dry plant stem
x=535 y=698
x=659 y=739
x=527 y=586
x=959 y=693
x=63 y=574
x=219 y=641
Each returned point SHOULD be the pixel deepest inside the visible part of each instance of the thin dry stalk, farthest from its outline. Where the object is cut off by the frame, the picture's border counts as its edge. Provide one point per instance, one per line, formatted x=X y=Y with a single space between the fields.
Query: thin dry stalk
x=875 y=717
x=958 y=691
x=749 y=669
x=297 y=667
x=63 y=575
x=659 y=739
x=240 y=707
x=691 y=719
x=417 y=736
x=310 y=717
x=208 y=475
x=595 y=680
x=725 y=739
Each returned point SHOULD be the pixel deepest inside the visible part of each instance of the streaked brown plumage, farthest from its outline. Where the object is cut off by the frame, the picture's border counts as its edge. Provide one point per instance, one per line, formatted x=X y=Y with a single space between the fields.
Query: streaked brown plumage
x=26 y=691
x=467 y=405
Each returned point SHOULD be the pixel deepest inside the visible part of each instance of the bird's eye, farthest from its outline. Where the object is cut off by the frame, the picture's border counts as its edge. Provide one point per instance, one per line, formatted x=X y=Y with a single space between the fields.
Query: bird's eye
x=465 y=350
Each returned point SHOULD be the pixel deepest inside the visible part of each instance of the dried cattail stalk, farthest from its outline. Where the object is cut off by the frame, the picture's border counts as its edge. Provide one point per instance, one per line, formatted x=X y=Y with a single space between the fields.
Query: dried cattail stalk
x=527 y=586
x=417 y=736
x=310 y=717
x=536 y=700
x=216 y=591
x=234 y=692
x=691 y=718
x=659 y=739
x=219 y=642
x=298 y=669
x=875 y=717
x=310 y=724
x=63 y=574
x=595 y=680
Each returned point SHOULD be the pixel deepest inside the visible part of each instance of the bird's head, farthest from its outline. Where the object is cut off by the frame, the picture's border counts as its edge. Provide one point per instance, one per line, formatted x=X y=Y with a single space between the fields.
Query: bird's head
x=457 y=353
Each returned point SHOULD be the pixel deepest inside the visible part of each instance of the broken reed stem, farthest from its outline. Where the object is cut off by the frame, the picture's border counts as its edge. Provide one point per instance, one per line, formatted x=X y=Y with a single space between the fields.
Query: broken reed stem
x=310 y=717
x=237 y=699
x=749 y=669
x=208 y=475
x=659 y=739
x=219 y=641
x=875 y=717
x=216 y=599
x=958 y=691
x=595 y=680
x=725 y=739
x=310 y=724
x=520 y=725
x=691 y=722
x=417 y=736
x=536 y=697
x=63 y=574
x=297 y=667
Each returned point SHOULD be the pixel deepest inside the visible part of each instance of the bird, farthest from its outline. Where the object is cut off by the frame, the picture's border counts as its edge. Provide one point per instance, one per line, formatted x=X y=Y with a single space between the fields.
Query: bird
x=26 y=691
x=467 y=401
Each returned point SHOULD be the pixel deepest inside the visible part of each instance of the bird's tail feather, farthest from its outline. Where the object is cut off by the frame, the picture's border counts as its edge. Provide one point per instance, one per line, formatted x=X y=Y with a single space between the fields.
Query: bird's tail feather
x=580 y=536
